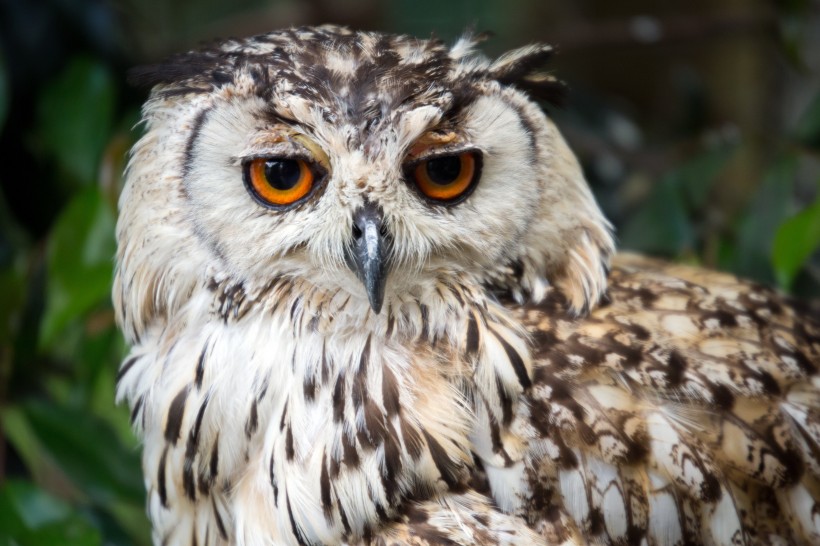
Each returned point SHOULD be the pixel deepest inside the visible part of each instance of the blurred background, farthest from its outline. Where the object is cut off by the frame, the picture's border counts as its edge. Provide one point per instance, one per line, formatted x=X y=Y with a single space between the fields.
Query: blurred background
x=697 y=122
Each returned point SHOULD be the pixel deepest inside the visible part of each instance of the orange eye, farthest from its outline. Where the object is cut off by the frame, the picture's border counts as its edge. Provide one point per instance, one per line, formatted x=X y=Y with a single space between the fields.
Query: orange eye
x=447 y=178
x=278 y=181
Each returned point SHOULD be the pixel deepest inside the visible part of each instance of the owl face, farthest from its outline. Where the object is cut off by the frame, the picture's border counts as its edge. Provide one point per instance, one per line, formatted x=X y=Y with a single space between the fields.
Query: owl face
x=300 y=197
x=365 y=164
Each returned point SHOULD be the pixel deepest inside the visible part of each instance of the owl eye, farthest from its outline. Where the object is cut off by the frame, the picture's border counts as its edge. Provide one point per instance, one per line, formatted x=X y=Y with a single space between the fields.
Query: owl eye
x=277 y=181
x=447 y=178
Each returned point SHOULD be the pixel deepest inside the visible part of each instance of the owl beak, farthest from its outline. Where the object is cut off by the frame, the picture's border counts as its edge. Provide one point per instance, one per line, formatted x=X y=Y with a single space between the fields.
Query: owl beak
x=368 y=255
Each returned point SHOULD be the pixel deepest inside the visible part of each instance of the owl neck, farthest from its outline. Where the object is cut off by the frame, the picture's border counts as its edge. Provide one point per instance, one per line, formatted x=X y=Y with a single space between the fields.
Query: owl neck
x=306 y=402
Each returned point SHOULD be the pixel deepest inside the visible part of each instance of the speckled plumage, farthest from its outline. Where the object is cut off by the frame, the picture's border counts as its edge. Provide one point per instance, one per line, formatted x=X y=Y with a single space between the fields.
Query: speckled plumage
x=512 y=390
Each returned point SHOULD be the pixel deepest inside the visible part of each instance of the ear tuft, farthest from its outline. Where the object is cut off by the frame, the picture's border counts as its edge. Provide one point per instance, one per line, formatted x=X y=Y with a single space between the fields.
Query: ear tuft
x=465 y=47
x=522 y=68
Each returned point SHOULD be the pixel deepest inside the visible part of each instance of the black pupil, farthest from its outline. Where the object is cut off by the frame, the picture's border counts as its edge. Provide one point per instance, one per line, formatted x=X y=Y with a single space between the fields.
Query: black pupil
x=444 y=170
x=283 y=174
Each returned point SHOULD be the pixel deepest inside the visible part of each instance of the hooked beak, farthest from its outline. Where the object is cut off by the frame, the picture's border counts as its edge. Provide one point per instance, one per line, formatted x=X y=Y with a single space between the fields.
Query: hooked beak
x=368 y=253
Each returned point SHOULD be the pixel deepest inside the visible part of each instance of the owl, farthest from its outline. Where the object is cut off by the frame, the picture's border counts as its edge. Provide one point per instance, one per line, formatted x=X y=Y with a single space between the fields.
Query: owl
x=370 y=299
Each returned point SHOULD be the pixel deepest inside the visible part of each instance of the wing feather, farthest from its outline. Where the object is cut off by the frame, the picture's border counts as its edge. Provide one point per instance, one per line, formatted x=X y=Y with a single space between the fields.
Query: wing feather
x=688 y=405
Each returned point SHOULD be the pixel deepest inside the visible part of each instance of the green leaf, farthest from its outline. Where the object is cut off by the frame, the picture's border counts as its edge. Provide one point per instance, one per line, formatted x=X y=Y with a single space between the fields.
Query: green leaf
x=808 y=128
x=770 y=206
x=122 y=521
x=75 y=118
x=696 y=177
x=32 y=517
x=88 y=451
x=795 y=242
x=36 y=508
x=80 y=263
x=124 y=524
x=20 y=435
x=661 y=225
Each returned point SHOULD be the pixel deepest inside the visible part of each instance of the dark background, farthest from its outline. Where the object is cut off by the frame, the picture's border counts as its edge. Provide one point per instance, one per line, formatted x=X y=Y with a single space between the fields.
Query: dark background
x=697 y=122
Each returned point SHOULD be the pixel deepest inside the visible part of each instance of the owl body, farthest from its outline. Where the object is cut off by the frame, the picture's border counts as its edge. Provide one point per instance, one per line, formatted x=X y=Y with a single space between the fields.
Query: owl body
x=369 y=299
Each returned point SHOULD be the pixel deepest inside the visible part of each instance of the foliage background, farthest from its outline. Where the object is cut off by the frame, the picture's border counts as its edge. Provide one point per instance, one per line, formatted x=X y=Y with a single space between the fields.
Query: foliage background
x=698 y=124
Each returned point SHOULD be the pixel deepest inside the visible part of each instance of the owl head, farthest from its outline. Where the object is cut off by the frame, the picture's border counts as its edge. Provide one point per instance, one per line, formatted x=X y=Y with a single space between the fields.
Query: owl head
x=361 y=163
